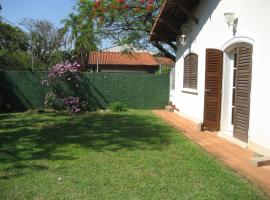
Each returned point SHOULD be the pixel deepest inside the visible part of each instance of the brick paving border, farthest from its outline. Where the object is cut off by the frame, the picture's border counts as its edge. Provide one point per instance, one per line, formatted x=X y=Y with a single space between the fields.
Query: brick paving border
x=234 y=156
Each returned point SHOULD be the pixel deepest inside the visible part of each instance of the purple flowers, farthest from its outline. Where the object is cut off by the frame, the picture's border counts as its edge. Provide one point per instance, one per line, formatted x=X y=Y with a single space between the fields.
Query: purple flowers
x=59 y=100
x=72 y=104
x=63 y=70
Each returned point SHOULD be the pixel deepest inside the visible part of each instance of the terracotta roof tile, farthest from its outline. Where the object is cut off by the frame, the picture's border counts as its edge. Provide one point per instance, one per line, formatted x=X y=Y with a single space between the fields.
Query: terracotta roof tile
x=164 y=61
x=119 y=58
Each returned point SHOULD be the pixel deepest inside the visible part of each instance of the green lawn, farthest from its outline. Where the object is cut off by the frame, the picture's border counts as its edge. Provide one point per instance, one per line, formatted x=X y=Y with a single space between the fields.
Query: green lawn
x=131 y=155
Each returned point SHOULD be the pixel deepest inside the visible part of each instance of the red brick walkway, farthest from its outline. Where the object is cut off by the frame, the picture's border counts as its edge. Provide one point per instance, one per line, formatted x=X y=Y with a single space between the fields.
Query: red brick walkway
x=232 y=155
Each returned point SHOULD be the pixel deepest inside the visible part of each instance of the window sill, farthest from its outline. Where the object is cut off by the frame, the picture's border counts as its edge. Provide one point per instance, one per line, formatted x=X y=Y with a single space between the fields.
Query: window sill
x=190 y=91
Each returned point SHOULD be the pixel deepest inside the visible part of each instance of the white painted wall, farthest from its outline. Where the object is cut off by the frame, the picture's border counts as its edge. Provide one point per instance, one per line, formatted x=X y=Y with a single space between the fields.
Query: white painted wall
x=213 y=32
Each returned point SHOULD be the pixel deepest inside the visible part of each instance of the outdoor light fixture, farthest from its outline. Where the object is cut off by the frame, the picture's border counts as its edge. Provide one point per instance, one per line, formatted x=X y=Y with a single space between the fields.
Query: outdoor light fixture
x=183 y=39
x=229 y=18
x=184 y=34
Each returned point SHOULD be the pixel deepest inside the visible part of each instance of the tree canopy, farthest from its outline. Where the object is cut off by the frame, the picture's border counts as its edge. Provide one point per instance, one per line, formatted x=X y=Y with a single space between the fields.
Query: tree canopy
x=42 y=45
x=12 y=38
x=13 y=48
x=130 y=22
x=124 y=22
x=80 y=29
x=45 y=40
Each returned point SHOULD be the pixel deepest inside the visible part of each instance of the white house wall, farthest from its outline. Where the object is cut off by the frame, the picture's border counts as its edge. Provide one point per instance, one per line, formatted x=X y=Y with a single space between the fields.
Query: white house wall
x=212 y=32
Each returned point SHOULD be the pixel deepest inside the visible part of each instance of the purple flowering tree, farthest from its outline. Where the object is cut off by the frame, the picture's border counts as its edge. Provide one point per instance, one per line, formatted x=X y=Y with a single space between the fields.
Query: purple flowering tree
x=62 y=71
x=67 y=73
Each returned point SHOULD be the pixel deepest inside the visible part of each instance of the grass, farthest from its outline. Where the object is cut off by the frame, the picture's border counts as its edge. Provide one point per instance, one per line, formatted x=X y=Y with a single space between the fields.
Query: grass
x=131 y=155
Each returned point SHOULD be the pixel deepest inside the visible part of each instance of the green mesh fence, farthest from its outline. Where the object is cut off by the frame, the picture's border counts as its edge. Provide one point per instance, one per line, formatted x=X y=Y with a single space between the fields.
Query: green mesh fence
x=23 y=90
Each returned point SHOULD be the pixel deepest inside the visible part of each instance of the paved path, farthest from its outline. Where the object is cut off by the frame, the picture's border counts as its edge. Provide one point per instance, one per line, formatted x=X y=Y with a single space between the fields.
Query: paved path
x=232 y=155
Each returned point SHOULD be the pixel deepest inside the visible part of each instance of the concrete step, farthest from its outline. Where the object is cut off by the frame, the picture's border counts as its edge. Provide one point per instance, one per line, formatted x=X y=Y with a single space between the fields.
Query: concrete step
x=260 y=161
x=169 y=108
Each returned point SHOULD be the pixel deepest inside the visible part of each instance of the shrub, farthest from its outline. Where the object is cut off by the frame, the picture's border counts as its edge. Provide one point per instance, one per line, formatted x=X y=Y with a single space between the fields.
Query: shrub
x=74 y=104
x=14 y=60
x=118 y=107
x=164 y=70
x=53 y=101
x=66 y=73
x=71 y=104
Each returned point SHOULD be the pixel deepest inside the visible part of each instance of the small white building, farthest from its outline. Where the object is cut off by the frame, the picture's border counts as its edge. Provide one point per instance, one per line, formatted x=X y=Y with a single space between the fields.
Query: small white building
x=222 y=66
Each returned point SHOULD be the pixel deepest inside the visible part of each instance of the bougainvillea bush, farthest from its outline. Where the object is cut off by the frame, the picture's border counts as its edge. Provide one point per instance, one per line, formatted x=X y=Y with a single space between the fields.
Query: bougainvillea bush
x=53 y=101
x=63 y=70
x=66 y=73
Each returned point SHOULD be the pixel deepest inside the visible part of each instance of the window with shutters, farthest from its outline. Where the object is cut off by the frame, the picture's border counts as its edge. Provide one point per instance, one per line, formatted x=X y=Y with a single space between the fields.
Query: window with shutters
x=190 y=71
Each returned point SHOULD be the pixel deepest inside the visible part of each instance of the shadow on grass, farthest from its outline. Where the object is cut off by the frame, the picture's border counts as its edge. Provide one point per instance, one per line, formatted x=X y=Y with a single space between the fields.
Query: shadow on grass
x=55 y=136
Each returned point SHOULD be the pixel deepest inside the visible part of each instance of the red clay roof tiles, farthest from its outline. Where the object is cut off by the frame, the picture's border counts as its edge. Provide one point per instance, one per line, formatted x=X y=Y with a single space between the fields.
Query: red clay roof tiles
x=119 y=58
x=164 y=61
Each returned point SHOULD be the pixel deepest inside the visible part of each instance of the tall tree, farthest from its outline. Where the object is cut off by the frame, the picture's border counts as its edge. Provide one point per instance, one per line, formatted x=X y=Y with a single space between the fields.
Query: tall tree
x=80 y=28
x=12 y=38
x=46 y=40
x=129 y=22
x=13 y=48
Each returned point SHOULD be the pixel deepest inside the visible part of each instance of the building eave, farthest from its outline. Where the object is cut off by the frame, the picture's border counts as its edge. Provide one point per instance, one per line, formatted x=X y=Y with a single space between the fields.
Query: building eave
x=173 y=14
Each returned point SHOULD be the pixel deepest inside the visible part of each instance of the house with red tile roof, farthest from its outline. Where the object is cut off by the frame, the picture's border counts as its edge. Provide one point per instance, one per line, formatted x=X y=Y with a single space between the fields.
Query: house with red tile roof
x=99 y=61
x=164 y=61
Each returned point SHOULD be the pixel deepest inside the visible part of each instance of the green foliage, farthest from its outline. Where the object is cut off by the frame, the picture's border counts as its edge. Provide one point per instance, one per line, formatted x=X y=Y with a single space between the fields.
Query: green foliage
x=118 y=107
x=124 y=23
x=53 y=101
x=80 y=29
x=13 y=48
x=164 y=70
x=12 y=38
x=59 y=56
x=45 y=42
x=19 y=61
x=14 y=60
x=129 y=23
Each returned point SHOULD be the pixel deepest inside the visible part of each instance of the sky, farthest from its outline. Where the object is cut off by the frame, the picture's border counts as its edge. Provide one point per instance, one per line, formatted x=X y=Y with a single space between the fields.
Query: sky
x=52 y=10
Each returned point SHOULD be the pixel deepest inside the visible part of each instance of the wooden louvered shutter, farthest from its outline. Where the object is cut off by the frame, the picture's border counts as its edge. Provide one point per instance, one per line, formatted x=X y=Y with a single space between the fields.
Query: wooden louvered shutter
x=213 y=85
x=242 y=95
x=187 y=71
x=191 y=71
